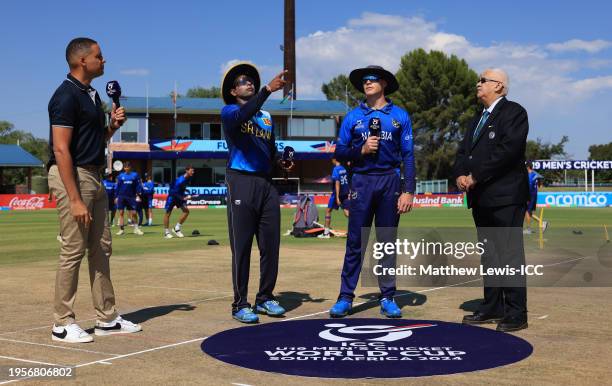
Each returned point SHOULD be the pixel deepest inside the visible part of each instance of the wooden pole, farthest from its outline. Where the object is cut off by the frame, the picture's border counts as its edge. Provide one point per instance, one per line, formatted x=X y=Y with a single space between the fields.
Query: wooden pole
x=289 y=48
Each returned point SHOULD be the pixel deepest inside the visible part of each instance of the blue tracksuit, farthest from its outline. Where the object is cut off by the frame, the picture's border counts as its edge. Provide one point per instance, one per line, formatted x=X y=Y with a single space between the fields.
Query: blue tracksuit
x=375 y=185
x=128 y=186
x=253 y=207
x=533 y=191
x=148 y=189
x=177 y=193
x=249 y=134
x=110 y=186
x=339 y=174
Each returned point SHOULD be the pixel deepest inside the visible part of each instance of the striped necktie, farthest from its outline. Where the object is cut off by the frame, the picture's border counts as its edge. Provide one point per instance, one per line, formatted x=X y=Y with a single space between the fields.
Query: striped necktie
x=483 y=119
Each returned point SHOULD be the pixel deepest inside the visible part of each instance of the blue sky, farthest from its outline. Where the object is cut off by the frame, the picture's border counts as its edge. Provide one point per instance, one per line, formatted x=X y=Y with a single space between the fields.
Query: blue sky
x=559 y=57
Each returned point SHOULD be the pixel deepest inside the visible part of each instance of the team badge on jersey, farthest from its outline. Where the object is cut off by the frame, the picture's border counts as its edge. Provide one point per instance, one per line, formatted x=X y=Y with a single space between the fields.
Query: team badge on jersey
x=396 y=124
x=264 y=120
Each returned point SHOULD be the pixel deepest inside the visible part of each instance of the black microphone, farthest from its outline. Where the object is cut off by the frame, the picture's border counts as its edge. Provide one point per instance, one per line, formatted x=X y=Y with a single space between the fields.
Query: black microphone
x=287 y=160
x=374 y=127
x=113 y=90
x=287 y=157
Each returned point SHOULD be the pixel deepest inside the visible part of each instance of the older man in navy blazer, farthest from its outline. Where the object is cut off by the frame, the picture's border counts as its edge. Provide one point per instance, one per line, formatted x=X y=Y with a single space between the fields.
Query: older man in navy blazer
x=490 y=167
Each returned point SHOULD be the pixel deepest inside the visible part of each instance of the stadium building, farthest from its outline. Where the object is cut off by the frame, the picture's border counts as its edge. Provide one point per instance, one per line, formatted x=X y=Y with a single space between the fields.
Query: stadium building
x=160 y=138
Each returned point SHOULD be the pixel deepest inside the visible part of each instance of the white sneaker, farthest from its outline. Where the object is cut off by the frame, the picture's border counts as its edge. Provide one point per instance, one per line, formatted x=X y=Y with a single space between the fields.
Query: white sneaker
x=71 y=333
x=121 y=232
x=324 y=236
x=117 y=326
x=178 y=233
x=168 y=236
x=544 y=226
x=527 y=231
x=137 y=231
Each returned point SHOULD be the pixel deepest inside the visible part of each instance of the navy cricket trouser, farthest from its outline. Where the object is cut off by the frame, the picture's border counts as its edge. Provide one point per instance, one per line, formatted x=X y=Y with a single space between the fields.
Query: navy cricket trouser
x=372 y=197
x=253 y=209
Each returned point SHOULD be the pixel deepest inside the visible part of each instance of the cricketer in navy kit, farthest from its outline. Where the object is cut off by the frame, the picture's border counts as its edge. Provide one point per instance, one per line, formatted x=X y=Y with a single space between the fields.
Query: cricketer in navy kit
x=127 y=192
x=376 y=137
x=253 y=207
x=177 y=197
x=110 y=186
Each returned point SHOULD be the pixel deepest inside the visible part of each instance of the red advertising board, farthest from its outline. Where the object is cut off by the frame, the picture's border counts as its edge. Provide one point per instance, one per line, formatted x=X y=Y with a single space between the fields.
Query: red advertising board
x=26 y=201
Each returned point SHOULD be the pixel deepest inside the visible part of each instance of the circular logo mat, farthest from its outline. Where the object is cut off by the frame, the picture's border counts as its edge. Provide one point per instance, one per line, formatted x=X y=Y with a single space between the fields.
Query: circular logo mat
x=366 y=348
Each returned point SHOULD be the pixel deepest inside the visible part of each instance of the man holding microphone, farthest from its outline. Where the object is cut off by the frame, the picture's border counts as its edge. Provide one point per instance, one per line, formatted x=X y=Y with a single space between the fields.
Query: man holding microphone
x=78 y=134
x=376 y=137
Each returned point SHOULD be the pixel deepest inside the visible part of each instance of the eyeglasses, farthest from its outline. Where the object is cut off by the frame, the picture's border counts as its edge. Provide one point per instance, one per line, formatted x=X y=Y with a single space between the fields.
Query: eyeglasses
x=485 y=80
x=371 y=78
x=243 y=81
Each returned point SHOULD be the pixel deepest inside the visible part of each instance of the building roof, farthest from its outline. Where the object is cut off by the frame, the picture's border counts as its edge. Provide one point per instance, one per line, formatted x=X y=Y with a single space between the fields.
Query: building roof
x=303 y=108
x=14 y=156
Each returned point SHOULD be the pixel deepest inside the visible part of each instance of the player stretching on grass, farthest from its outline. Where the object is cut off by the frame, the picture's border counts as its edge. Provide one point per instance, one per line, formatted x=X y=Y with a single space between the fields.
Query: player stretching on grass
x=177 y=196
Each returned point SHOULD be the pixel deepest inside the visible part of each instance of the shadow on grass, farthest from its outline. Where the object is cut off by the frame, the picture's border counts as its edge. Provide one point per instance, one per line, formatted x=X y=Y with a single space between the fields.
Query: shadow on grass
x=292 y=300
x=145 y=314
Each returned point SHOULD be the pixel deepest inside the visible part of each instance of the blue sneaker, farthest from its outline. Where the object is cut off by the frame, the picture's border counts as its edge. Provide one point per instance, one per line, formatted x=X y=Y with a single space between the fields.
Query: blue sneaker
x=340 y=309
x=389 y=308
x=245 y=315
x=270 y=307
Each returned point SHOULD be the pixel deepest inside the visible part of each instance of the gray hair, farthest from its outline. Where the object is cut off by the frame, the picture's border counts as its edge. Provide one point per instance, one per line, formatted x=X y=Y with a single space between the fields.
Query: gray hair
x=504 y=78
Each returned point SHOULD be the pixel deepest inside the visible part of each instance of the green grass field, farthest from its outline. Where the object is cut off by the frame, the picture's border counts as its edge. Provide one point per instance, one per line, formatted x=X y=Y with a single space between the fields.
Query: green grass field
x=31 y=236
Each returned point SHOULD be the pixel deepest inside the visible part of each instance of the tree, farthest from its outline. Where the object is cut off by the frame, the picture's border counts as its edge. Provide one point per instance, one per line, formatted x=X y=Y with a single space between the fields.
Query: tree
x=537 y=150
x=601 y=153
x=341 y=89
x=5 y=128
x=38 y=147
x=439 y=93
x=200 y=92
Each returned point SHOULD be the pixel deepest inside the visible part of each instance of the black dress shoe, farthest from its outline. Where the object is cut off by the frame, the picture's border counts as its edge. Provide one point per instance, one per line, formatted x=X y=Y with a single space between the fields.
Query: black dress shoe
x=512 y=324
x=480 y=318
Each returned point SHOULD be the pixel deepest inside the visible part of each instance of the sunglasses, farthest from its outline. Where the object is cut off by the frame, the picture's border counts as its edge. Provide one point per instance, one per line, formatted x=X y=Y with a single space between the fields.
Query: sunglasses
x=243 y=81
x=371 y=78
x=485 y=80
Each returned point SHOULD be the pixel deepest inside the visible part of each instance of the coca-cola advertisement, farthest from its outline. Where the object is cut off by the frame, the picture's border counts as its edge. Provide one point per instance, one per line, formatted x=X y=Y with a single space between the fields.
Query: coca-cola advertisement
x=25 y=202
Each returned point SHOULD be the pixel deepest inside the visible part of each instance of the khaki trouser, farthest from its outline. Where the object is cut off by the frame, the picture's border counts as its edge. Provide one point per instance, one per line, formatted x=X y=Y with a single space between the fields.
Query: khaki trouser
x=76 y=238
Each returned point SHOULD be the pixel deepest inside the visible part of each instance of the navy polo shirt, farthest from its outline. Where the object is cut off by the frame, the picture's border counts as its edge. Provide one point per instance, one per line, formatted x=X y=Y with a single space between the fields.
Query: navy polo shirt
x=79 y=108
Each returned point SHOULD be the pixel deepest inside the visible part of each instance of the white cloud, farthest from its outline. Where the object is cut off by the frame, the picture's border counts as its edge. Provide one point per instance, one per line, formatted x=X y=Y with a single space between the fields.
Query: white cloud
x=593 y=85
x=135 y=72
x=592 y=46
x=553 y=89
x=537 y=78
